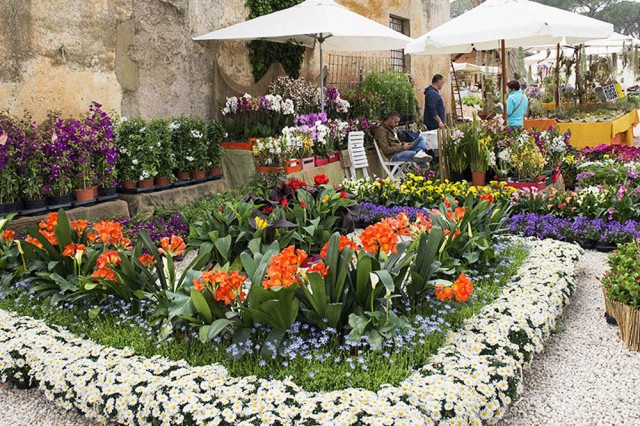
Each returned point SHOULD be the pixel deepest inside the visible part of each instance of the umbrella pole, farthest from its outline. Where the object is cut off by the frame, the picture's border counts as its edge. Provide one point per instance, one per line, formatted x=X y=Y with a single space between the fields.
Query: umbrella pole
x=320 y=40
x=557 y=94
x=503 y=60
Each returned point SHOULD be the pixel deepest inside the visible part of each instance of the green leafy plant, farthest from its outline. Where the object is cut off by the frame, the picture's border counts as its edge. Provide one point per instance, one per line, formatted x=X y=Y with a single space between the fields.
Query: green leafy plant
x=395 y=91
x=264 y=53
x=622 y=281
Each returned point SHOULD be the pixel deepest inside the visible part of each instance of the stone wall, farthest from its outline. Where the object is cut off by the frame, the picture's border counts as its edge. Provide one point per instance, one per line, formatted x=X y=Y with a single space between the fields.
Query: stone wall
x=136 y=57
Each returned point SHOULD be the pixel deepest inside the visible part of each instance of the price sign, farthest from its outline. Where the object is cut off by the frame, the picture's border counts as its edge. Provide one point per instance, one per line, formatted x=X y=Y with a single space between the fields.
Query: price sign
x=610 y=92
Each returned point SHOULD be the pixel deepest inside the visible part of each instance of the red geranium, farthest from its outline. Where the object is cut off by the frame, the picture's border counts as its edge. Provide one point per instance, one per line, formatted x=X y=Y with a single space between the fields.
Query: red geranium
x=321 y=179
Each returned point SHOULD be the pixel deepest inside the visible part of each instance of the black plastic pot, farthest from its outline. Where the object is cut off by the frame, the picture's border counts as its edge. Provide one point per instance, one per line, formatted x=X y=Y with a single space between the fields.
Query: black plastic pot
x=8 y=208
x=55 y=200
x=40 y=203
x=606 y=247
x=103 y=192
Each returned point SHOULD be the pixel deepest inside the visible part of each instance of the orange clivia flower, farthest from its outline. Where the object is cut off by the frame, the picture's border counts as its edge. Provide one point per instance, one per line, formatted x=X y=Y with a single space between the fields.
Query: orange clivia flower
x=379 y=236
x=72 y=249
x=123 y=243
x=8 y=235
x=225 y=287
x=49 y=223
x=320 y=268
x=443 y=293
x=173 y=246
x=488 y=198
x=110 y=232
x=92 y=236
x=31 y=240
x=283 y=268
x=79 y=225
x=50 y=236
x=108 y=258
x=447 y=203
x=344 y=242
x=400 y=224
x=462 y=288
x=147 y=260
x=422 y=224
x=104 y=273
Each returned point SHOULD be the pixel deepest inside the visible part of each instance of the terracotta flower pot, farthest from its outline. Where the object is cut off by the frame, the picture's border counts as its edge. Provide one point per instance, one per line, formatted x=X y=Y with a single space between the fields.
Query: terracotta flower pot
x=129 y=184
x=83 y=194
x=198 y=174
x=478 y=178
x=183 y=175
x=162 y=180
x=95 y=191
x=215 y=171
x=145 y=183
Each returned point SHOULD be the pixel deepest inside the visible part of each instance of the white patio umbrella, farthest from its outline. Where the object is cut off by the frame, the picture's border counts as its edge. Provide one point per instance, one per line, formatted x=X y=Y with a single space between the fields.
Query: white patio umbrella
x=508 y=24
x=331 y=25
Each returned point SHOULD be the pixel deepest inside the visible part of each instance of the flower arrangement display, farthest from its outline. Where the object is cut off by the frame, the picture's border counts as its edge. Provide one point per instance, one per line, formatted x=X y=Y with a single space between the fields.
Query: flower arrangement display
x=474 y=377
x=420 y=191
x=260 y=116
x=53 y=157
x=304 y=95
x=524 y=157
x=326 y=134
x=275 y=151
x=334 y=105
x=554 y=144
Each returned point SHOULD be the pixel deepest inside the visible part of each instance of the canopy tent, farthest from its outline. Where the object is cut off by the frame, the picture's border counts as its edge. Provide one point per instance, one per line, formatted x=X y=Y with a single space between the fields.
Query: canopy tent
x=465 y=66
x=331 y=25
x=508 y=24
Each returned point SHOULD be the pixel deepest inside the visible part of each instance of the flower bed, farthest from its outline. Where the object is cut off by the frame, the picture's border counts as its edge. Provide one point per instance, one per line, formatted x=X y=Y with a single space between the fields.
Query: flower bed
x=474 y=377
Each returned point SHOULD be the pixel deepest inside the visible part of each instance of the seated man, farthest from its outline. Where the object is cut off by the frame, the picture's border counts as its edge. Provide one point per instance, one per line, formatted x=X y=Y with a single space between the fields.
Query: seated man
x=386 y=137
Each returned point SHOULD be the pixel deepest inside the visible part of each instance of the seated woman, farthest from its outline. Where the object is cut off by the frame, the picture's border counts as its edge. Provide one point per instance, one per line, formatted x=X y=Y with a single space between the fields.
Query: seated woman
x=387 y=139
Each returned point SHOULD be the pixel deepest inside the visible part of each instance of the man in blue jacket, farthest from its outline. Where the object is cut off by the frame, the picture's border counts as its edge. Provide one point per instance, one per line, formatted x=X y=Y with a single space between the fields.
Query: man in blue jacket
x=434 y=117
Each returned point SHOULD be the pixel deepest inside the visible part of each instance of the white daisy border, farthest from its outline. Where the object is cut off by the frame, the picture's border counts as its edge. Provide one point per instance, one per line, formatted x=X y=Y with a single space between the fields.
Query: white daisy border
x=471 y=379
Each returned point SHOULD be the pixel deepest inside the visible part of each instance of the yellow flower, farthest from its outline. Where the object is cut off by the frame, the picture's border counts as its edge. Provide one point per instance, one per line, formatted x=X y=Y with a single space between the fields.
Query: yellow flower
x=260 y=223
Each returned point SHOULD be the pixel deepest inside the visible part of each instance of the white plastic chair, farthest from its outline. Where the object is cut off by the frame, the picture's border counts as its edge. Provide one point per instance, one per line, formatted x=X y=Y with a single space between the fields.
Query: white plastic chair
x=393 y=169
x=358 y=154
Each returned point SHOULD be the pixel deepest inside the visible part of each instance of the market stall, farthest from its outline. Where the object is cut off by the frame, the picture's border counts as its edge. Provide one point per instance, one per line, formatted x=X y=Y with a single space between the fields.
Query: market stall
x=617 y=131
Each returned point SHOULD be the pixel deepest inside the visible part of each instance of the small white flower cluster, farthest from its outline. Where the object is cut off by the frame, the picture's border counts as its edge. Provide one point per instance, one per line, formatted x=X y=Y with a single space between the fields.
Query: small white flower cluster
x=471 y=379
x=247 y=102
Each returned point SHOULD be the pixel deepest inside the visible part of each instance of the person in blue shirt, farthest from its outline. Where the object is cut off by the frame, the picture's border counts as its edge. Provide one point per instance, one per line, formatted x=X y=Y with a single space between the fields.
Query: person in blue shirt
x=434 y=117
x=517 y=104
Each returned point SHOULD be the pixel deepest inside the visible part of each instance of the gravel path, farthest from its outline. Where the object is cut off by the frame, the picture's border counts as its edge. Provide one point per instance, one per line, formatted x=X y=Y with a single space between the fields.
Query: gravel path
x=585 y=376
